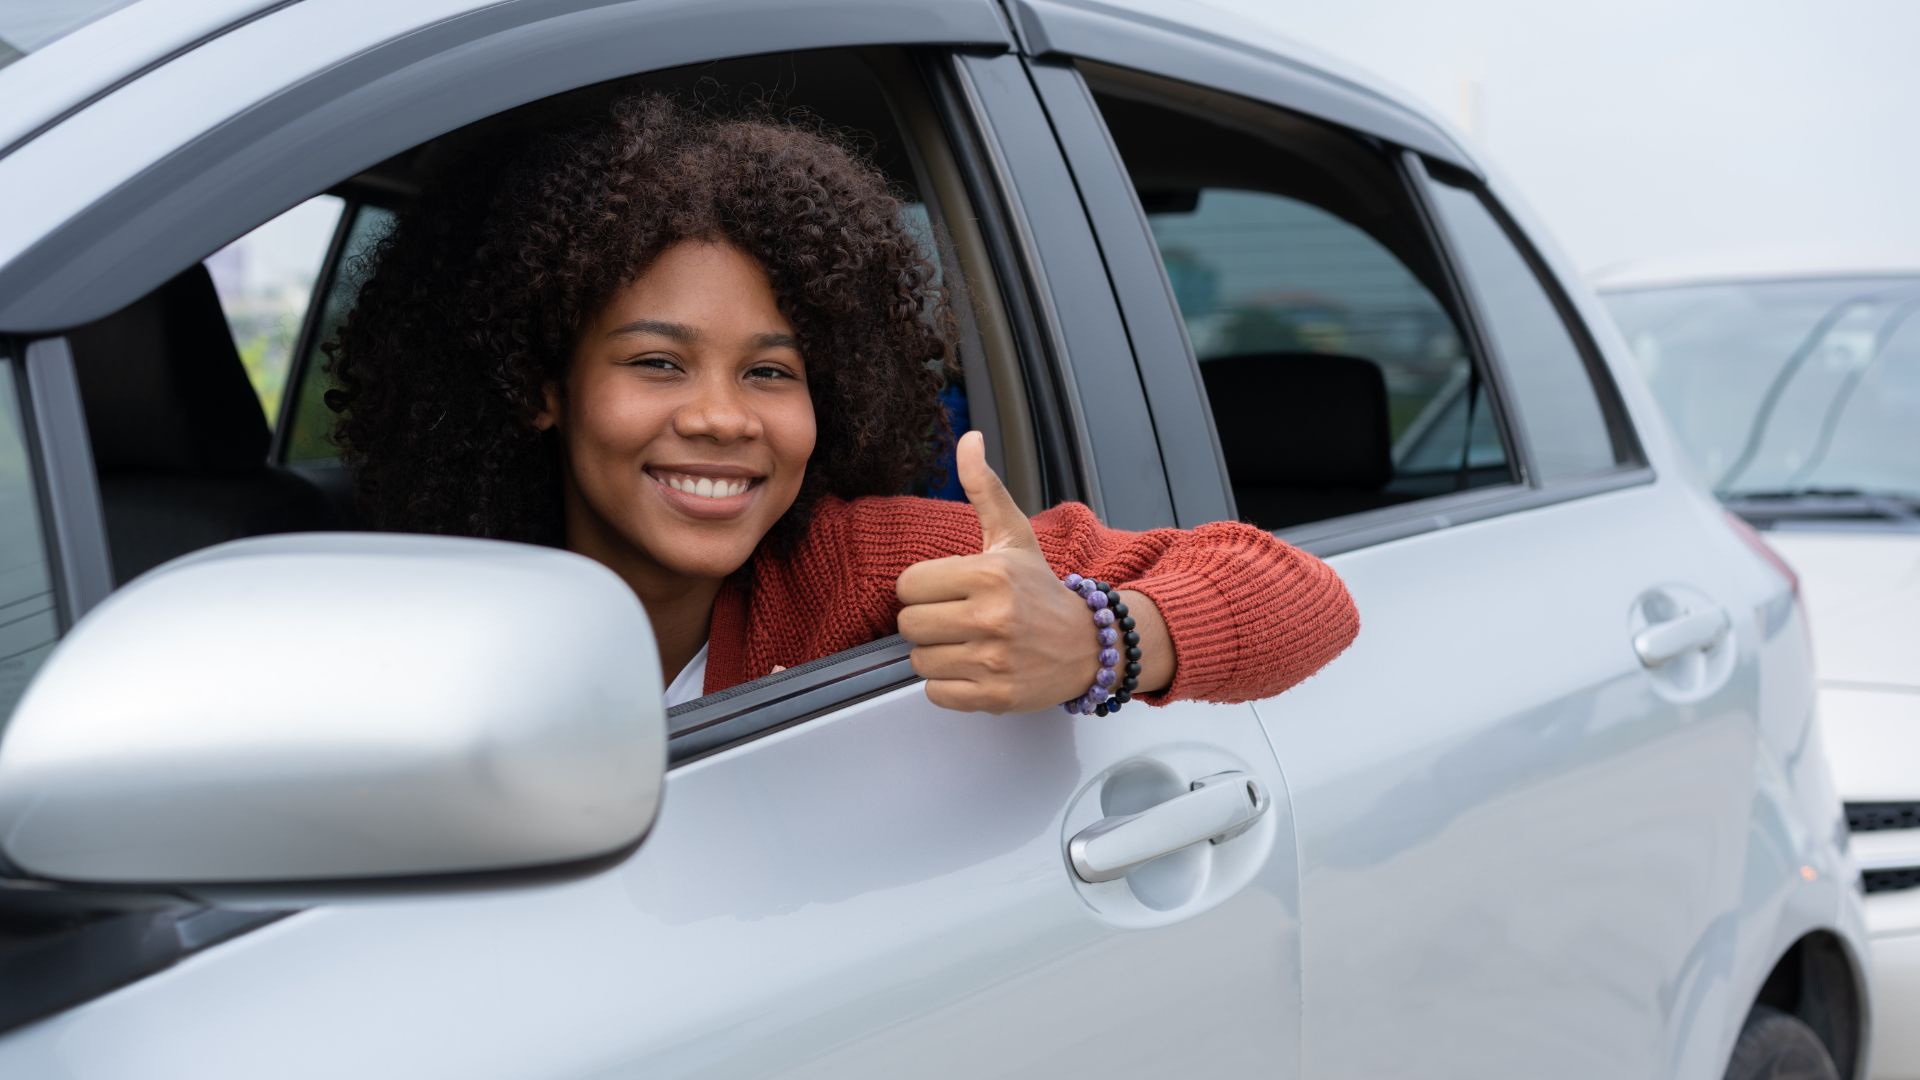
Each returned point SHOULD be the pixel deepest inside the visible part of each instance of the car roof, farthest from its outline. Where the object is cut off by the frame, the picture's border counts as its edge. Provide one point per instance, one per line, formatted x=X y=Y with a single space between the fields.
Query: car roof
x=1233 y=32
x=44 y=86
x=1758 y=264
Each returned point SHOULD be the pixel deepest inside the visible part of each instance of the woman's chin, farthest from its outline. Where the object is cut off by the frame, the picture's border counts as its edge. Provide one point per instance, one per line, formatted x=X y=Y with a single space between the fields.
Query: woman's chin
x=703 y=554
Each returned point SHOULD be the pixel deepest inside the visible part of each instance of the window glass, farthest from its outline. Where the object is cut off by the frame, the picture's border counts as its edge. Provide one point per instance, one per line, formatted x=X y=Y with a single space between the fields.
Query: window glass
x=1550 y=387
x=29 y=622
x=265 y=281
x=1337 y=375
x=1782 y=387
x=310 y=425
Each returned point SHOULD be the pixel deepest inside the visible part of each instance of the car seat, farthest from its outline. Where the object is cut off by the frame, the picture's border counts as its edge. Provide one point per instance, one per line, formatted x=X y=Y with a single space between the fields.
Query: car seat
x=1306 y=435
x=179 y=439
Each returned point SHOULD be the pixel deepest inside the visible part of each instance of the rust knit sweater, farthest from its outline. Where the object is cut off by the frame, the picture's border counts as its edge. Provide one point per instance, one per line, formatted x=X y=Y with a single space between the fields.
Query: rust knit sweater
x=1249 y=615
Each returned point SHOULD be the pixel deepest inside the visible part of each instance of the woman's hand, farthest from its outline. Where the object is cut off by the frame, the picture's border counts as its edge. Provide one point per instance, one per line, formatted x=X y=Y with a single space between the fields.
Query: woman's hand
x=998 y=632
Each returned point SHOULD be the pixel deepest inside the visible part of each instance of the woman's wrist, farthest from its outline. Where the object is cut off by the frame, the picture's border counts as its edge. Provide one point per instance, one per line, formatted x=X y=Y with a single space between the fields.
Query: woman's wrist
x=1156 y=646
x=1120 y=659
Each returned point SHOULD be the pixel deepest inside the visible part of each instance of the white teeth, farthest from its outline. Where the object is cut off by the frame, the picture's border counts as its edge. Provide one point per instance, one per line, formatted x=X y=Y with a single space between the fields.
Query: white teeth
x=705 y=486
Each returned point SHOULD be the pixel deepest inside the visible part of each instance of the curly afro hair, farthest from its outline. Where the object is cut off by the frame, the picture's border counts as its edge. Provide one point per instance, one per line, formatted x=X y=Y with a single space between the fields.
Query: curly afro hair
x=471 y=305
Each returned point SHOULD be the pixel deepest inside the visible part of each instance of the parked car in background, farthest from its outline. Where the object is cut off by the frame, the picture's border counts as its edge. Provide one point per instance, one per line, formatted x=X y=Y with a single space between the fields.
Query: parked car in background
x=1795 y=389
x=284 y=806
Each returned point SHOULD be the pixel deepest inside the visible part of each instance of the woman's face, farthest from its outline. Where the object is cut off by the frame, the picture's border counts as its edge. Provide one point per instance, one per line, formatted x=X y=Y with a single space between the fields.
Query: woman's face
x=687 y=424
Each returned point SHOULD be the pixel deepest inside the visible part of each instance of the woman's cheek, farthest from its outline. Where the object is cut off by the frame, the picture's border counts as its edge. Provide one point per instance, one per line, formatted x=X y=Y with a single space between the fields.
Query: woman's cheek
x=802 y=432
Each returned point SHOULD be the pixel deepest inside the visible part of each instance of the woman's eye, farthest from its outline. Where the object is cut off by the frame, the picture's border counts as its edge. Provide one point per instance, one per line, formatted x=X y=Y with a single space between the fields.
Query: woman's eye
x=768 y=371
x=656 y=363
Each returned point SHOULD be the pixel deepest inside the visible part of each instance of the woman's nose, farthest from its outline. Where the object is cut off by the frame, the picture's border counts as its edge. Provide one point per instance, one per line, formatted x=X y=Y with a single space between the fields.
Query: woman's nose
x=717 y=411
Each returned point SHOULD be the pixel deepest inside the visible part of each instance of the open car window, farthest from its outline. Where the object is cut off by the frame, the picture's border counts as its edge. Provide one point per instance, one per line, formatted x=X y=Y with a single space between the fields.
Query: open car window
x=187 y=453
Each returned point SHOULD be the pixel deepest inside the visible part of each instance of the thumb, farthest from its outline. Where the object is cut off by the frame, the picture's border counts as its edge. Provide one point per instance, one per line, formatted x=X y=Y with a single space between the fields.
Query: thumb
x=1002 y=525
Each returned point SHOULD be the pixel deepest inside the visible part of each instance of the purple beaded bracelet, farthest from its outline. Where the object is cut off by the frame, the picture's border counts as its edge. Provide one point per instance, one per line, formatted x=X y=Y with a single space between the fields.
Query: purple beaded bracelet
x=1113 y=627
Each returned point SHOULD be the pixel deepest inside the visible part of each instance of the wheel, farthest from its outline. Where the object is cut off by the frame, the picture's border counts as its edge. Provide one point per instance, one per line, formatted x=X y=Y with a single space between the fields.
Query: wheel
x=1776 y=1046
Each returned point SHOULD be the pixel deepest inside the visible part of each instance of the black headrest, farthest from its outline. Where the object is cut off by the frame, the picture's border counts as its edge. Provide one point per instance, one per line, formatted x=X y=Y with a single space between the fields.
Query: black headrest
x=163 y=385
x=1301 y=419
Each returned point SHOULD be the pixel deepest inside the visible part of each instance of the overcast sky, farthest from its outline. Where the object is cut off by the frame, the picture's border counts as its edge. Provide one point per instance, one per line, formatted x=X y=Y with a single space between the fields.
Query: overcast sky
x=1652 y=128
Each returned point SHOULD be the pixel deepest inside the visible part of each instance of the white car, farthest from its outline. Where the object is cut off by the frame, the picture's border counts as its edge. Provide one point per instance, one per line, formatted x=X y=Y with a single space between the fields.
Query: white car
x=1794 y=384
x=290 y=806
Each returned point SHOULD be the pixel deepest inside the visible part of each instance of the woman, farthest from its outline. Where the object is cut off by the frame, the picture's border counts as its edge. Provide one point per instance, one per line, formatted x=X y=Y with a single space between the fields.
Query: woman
x=708 y=355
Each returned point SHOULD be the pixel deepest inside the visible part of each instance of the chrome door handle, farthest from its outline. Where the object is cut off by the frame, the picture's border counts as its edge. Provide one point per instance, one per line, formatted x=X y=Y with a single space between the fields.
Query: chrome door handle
x=1697 y=632
x=1219 y=807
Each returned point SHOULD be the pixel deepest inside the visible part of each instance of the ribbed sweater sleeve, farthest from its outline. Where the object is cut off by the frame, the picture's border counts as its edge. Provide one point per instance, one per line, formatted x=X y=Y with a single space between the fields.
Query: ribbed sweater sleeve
x=1249 y=615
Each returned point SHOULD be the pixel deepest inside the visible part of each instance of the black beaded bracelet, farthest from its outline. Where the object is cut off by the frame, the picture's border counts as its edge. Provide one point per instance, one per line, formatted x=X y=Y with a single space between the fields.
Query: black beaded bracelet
x=1114 y=629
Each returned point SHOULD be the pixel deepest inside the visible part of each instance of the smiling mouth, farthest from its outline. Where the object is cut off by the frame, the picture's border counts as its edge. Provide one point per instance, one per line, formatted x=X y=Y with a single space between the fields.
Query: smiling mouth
x=705 y=487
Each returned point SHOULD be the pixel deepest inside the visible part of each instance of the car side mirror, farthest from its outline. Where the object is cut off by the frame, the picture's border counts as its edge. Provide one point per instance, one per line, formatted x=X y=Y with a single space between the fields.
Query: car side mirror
x=313 y=714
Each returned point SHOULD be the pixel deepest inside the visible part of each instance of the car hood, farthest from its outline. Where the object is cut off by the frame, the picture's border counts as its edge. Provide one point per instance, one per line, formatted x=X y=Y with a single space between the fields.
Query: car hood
x=1862 y=592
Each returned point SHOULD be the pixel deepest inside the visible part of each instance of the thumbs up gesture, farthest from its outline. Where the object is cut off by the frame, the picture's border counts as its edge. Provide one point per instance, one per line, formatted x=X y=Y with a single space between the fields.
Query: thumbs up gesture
x=995 y=632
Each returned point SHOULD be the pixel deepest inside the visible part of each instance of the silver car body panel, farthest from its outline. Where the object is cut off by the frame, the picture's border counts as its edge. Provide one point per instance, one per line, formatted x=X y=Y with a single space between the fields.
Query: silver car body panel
x=45 y=85
x=878 y=893
x=1513 y=844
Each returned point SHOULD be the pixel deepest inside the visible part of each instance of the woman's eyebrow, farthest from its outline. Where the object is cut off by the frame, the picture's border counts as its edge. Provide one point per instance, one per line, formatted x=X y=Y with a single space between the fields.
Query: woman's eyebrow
x=687 y=335
x=680 y=332
x=776 y=341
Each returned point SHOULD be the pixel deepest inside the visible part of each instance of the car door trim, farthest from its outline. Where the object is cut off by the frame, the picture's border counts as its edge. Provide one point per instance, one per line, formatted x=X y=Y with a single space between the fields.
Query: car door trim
x=1131 y=38
x=1484 y=357
x=738 y=714
x=74 y=964
x=303 y=342
x=1089 y=352
x=1627 y=450
x=1163 y=356
x=1355 y=531
x=57 y=435
x=1067 y=468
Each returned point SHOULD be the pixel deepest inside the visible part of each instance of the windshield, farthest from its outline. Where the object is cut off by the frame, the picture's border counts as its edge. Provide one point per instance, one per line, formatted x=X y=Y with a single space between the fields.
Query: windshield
x=26 y=25
x=1778 y=387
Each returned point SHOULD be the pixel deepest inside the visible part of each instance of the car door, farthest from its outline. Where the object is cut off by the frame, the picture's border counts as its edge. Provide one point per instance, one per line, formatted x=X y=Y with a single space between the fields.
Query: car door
x=844 y=881
x=1522 y=835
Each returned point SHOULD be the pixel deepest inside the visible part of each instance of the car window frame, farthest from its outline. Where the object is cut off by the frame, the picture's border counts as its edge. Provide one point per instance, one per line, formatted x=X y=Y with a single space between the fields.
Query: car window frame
x=1153 y=317
x=1175 y=400
x=61 y=458
x=1494 y=379
x=1176 y=394
x=1629 y=454
x=298 y=367
x=1411 y=519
